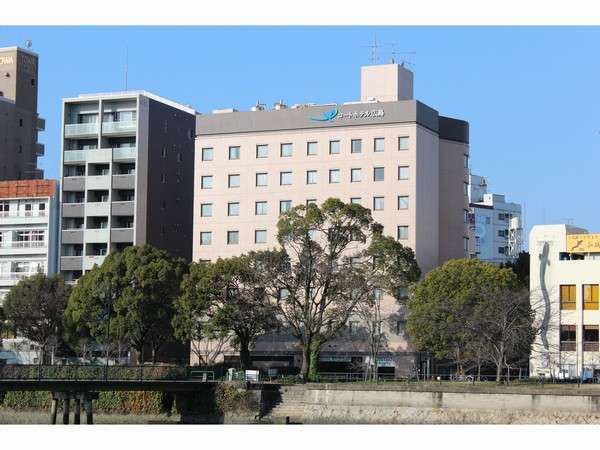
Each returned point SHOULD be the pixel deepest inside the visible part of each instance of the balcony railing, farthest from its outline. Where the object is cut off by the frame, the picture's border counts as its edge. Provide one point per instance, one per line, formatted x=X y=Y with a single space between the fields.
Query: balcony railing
x=84 y=155
x=81 y=129
x=15 y=275
x=23 y=214
x=590 y=346
x=124 y=153
x=24 y=244
x=122 y=126
x=568 y=346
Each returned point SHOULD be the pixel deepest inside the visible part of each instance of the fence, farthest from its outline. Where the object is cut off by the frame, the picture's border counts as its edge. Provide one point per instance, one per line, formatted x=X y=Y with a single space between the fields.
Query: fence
x=90 y=372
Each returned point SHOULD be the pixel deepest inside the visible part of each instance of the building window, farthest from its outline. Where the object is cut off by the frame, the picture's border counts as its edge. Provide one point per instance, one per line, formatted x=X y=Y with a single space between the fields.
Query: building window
x=311 y=201
x=205 y=238
x=234 y=152
x=378 y=203
x=403 y=202
x=233 y=209
x=234 y=181
x=355 y=175
x=466 y=244
x=466 y=188
x=285 y=178
x=501 y=233
x=567 y=296
x=568 y=338
x=285 y=205
x=334 y=147
x=206 y=210
x=207 y=154
x=262 y=179
x=311 y=177
x=466 y=216
x=501 y=250
x=179 y=157
x=402 y=232
x=403 y=172
x=356 y=145
x=260 y=236
x=590 y=338
x=355 y=200
x=403 y=143
x=262 y=151
x=311 y=148
x=466 y=161
x=287 y=149
x=233 y=237
x=378 y=173
x=260 y=208
x=403 y=293
x=334 y=175
x=163 y=178
x=590 y=296
x=379 y=144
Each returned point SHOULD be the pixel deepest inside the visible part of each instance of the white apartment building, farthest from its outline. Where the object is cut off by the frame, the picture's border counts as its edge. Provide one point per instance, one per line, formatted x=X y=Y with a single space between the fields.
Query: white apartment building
x=564 y=280
x=28 y=230
x=495 y=225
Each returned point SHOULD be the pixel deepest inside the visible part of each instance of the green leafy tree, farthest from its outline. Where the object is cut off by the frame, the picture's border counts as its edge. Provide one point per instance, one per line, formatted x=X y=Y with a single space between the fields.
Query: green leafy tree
x=520 y=267
x=442 y=310
x=320 y=273
x=35 y=305
x=132 y=293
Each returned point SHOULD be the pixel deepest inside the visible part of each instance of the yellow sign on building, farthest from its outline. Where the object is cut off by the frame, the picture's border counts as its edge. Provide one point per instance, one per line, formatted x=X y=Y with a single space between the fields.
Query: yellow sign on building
x=583 y=243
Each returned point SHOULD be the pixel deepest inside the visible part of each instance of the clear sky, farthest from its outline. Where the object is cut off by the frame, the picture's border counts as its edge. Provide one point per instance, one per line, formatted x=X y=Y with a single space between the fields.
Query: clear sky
x=531 y=94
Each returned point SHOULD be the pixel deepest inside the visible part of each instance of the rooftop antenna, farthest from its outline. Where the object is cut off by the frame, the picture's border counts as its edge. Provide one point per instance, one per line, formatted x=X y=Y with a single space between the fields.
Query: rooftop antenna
x=28 y=43
x=126 y=64
x=374 y=46
x=403 y=60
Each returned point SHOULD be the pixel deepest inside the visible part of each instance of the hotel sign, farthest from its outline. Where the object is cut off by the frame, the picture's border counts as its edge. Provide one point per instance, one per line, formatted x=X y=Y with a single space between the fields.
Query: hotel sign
x=583 y=243
x=331 y=115
x=6 y=60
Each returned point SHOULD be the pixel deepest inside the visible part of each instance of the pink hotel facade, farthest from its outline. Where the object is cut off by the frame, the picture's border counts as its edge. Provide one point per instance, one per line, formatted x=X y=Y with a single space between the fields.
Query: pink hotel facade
x=388 y=151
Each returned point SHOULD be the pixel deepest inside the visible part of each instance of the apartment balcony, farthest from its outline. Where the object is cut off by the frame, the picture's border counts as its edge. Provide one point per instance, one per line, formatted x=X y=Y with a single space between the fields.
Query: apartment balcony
x=75 y=156
x=12 y=278
x=89 y=261
x=590 y=346
x=23 y=248
x=97 y=209
x=123 y=208
x=123 y=182
x=74 y=184
x=80 y=130
x=96 y=235
x=98 y=182
x=123 y=128
x=40 y=124
x=124 y=154
x=71 y=263
x=73 y=209
x=71 y=236
x=40 y=149
x=102 y=155
x=121 y=235
x=23 y=217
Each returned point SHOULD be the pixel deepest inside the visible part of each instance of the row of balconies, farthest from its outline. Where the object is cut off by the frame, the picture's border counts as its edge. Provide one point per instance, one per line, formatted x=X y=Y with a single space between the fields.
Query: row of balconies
x=98 y=209
x=23 y=244
x=108 y=128
x=97 y=235
x=80 y=183
x=100 y=155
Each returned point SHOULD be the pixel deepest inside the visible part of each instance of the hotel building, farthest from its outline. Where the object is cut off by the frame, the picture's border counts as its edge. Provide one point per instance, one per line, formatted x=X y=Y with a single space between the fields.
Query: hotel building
x=127 y=177
x=564 y=280
x=19 y=120
x=28 y=230
x=388 y=152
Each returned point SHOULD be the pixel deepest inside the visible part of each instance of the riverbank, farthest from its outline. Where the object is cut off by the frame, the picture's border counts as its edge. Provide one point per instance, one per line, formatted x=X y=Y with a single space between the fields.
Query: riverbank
x=14 y=417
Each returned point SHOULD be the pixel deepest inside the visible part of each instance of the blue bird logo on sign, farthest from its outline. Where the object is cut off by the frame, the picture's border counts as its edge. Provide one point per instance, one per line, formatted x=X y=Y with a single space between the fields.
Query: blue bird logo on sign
x=326 y=116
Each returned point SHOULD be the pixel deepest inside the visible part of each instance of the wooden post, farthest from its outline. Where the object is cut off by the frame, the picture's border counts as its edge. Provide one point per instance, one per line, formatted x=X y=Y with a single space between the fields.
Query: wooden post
x=53 y=409
x=89 y=414
x=66 y=403
x=77 y=412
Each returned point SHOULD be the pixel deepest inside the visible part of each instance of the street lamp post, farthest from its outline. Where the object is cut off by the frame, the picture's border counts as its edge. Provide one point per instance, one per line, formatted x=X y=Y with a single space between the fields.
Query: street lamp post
x=106 y=344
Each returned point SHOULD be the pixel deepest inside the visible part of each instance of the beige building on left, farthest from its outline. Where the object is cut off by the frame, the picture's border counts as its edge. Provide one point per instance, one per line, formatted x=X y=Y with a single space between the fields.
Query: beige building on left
x=387 y=151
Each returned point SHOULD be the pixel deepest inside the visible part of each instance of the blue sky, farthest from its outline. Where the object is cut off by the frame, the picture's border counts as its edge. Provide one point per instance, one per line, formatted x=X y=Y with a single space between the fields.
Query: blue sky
x=530 y=94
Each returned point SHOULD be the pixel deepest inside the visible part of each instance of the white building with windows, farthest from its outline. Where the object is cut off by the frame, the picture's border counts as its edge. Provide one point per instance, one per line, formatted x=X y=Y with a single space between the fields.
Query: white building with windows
x=495 y=225
x=28 y=230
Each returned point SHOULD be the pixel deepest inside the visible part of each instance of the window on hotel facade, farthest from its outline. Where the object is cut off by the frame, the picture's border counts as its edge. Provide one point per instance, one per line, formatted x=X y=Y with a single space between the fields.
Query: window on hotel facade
x=233 y=237
x=334 y=175
x=334 y=147
x=355 y=200
x=207 y=154
x=378 y=203
x=260 y=236
x=262 y=151
x=285 y=205
x=590 y=338
x=355 y=175
x=233 y=209
x=590 y=296
x=234 y=152
x=356 y=145
x=378 y=173
x=311 y=201
x=206 y=210
x=287 y=149
x=206 y=182
x=311 y=148
x=403 y=143
x=311 y=177
x=466 y=161
x=403 y=172
x=285 y=178
x=205 y=238
x=402 y=232
x=379 y=144
x=403 y=202
x=260 y=208
x=568 y=296
x=568 y=338
x=234 y=180
x=262 y=179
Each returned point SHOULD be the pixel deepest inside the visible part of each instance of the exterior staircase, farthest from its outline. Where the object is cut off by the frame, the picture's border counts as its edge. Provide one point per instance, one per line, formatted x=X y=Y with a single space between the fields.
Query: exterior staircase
x=284 y=404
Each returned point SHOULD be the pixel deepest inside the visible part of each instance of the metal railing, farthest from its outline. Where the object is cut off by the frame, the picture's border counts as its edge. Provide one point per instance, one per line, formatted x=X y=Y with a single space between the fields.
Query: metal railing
x=24 y=244
x=76 y=129
x=23 y=214
x=119 y=126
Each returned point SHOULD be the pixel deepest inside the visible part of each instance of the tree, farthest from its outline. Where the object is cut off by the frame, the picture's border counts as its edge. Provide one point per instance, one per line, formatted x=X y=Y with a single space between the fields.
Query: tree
x=35 y=305
x=130 y=297
x=222 y=298
x=445 y=300
x=520 y=267
x=322 y=271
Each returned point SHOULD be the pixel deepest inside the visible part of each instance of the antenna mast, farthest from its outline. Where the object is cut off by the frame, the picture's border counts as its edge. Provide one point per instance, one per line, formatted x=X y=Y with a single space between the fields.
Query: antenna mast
x=126 y=65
